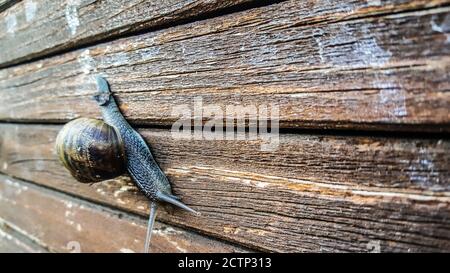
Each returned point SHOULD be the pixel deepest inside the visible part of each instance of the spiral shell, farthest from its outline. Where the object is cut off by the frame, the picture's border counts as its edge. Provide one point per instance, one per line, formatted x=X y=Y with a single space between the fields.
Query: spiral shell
x=91 y=150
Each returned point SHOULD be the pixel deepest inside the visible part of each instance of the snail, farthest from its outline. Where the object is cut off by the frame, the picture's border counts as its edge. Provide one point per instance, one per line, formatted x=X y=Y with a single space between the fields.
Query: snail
x=91 y=150
x=94 y=150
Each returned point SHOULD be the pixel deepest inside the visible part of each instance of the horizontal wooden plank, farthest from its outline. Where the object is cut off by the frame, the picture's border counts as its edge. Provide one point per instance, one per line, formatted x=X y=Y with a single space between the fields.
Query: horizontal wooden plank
x=9 y=244
x=12 y=242
x=35 y=28
x=381 y=72
x=65 y=224
x=313 y=193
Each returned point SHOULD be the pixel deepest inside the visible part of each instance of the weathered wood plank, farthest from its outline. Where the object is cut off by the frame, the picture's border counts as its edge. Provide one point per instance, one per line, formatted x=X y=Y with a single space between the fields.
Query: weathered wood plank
x=11 y=242
x=35 y=28
x=314 y=193
x=63 y=224
x=383 y=72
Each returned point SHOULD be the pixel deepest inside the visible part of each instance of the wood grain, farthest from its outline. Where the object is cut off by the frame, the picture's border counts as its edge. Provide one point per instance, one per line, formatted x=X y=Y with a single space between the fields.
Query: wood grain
x=314 y=193
x=383 y=72
x=45 y=27
x=62 y=224
x=12 y=242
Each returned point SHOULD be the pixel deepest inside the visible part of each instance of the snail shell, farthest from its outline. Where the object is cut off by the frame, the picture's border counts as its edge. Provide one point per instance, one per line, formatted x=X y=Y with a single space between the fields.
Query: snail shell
x=91 y=150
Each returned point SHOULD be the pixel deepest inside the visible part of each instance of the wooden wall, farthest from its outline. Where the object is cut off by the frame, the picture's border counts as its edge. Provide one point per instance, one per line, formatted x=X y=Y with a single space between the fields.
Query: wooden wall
x=362 y=89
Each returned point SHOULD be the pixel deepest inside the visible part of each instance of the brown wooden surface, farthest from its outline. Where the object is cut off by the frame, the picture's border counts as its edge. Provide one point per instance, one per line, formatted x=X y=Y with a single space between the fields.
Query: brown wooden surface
x=61 y=223
x=354 y=64
x=9 y=244
x=346 y=66
x=315 y=193
x=44 y=27
x=13 y=242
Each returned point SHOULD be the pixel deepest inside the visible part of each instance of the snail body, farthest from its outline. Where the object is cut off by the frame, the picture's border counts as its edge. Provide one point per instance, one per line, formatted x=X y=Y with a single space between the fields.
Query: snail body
x=94 y=150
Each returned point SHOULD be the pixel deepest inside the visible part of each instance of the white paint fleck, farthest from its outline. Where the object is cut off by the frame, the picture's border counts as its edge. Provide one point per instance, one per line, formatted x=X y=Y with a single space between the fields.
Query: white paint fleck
x=30 y=10
x=79 y=228
x=69 y=204
x=423 y=171
x=261 y=184
x=126 y=250
x=121 y=58
x=318 y=38
x=19 y=187
x=72 y=15
x=87 y=63
x=444 y=27
x=179 y=248
x=371 y=53
x=5 y=165
x=166 y=233
x=299 y=95
x=149 y=53
x=5 y=235
x=376 y=3
x=246 y=182
x=357 y=51
x=391 y=101
x=122 y=190
x=11 y=23
x=360 y=48
x=101 y=191
x=436 y=27
x=181 y=170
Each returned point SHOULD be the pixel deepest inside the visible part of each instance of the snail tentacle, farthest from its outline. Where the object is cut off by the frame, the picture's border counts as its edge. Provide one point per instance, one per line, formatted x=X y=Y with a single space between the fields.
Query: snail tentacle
x=175 y=202
x=151 y=222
